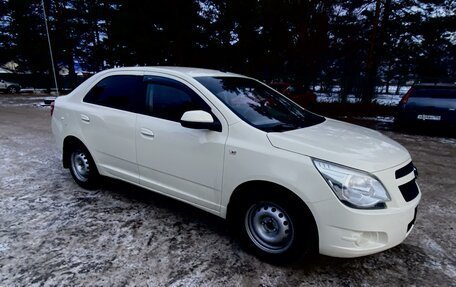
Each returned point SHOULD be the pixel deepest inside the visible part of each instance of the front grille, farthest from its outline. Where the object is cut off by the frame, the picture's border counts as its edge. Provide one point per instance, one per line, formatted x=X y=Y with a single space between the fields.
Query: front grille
x=409 y=190
x=405 y=170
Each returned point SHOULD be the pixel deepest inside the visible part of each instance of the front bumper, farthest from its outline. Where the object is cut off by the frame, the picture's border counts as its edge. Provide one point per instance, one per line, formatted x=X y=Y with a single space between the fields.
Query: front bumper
x=349 y=232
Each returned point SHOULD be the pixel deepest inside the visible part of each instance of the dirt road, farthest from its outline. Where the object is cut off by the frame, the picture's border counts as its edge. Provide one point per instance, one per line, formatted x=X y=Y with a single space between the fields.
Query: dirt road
x=54 y=233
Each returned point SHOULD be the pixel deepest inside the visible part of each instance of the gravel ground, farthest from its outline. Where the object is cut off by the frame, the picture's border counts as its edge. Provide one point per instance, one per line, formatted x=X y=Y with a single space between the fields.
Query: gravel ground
x=54 y=233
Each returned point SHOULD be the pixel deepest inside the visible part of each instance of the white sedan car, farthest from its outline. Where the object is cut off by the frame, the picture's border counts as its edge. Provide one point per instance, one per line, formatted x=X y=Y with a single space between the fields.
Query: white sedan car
x=291 y=182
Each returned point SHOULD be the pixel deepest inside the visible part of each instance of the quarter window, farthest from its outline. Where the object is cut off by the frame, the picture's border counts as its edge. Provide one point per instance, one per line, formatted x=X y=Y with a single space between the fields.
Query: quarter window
x=168 y=99
x=123 y=92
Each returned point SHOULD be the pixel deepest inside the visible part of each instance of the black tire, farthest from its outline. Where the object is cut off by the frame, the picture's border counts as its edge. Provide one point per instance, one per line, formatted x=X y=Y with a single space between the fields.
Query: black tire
x=276 y=227
x=13 y=90
x=82 y=167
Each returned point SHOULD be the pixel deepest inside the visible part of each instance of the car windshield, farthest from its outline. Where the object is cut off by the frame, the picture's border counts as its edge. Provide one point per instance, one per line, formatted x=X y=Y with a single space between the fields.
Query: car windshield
x=259 y=105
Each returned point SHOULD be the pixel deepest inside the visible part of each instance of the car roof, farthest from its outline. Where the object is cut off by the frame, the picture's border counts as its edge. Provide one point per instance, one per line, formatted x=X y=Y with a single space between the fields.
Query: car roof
x=187 y=71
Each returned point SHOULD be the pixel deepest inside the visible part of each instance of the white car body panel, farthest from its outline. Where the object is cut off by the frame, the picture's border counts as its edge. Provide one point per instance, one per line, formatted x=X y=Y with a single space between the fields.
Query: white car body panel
x=336 y=141
x=256 y=159
x=204 y=168
x=111 y=135
x=187 y=163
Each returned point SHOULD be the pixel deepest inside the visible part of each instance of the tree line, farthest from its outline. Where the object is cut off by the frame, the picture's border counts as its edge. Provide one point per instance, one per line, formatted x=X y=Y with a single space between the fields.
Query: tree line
x=355 y=44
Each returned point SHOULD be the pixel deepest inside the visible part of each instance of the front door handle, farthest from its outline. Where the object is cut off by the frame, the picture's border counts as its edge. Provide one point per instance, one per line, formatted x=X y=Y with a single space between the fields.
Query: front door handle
x=147 y=133
x=85 y=118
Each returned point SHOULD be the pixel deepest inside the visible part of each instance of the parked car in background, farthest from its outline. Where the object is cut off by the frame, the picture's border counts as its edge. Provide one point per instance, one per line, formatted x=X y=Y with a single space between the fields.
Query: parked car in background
x=300 y=95
x=9 y=87
x=289 y=181
x=428 y=104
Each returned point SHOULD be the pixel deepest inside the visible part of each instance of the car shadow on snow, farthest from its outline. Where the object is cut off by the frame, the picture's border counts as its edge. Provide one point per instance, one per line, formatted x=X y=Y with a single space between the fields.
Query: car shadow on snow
x=186 y=214
x=182 y=211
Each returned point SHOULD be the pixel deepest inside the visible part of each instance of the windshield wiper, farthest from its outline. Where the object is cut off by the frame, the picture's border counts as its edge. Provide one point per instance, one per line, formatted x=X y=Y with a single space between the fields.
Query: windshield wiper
x=279 y=127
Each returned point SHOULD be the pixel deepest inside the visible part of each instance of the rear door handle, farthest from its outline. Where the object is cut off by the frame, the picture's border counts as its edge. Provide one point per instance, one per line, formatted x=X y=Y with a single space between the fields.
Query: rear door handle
x=147 y=133
x=85 y=118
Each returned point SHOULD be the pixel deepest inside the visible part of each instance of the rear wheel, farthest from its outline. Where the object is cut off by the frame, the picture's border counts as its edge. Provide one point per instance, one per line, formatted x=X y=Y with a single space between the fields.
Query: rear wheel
x=82 y=167
x=13 y=90
x=276 y=227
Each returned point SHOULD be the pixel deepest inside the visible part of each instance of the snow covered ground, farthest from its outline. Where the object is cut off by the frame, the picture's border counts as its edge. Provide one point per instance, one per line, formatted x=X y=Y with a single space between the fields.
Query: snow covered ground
x=381 y=97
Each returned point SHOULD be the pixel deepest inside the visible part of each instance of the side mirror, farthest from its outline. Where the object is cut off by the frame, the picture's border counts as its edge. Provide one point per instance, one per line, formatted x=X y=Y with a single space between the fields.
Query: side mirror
x=200 y=120
x=2 y=81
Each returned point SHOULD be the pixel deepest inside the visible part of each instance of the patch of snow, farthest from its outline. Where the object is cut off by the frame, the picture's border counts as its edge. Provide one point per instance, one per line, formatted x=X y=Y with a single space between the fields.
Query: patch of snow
x=3 y=247
x=435 y=248
x=447 y=141
x=450 y=36
x=381 y=99
x=379 y=119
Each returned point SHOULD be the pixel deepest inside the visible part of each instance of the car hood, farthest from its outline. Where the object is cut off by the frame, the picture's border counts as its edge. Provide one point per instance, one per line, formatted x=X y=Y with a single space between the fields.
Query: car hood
x=343 y=143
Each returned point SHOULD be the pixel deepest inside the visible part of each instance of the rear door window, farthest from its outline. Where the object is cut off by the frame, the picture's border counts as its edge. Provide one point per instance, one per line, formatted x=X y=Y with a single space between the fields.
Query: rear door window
x=123 y=92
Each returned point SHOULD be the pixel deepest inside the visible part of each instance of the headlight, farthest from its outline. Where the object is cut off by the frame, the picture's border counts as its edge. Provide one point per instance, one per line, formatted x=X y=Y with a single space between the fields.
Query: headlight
x=354 y=188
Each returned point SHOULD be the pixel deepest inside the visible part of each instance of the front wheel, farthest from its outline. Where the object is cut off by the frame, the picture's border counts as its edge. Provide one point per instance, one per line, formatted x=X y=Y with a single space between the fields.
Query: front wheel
x=276 y=228
x=269 y=227
x=82 y=168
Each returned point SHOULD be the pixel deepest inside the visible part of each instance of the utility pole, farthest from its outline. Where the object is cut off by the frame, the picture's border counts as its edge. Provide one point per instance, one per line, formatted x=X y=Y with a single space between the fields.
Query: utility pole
x=371 y=65
x=50 y=47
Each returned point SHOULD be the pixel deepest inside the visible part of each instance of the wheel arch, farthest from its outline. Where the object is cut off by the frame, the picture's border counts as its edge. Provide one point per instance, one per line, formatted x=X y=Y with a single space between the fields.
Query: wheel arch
x=254 y=188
